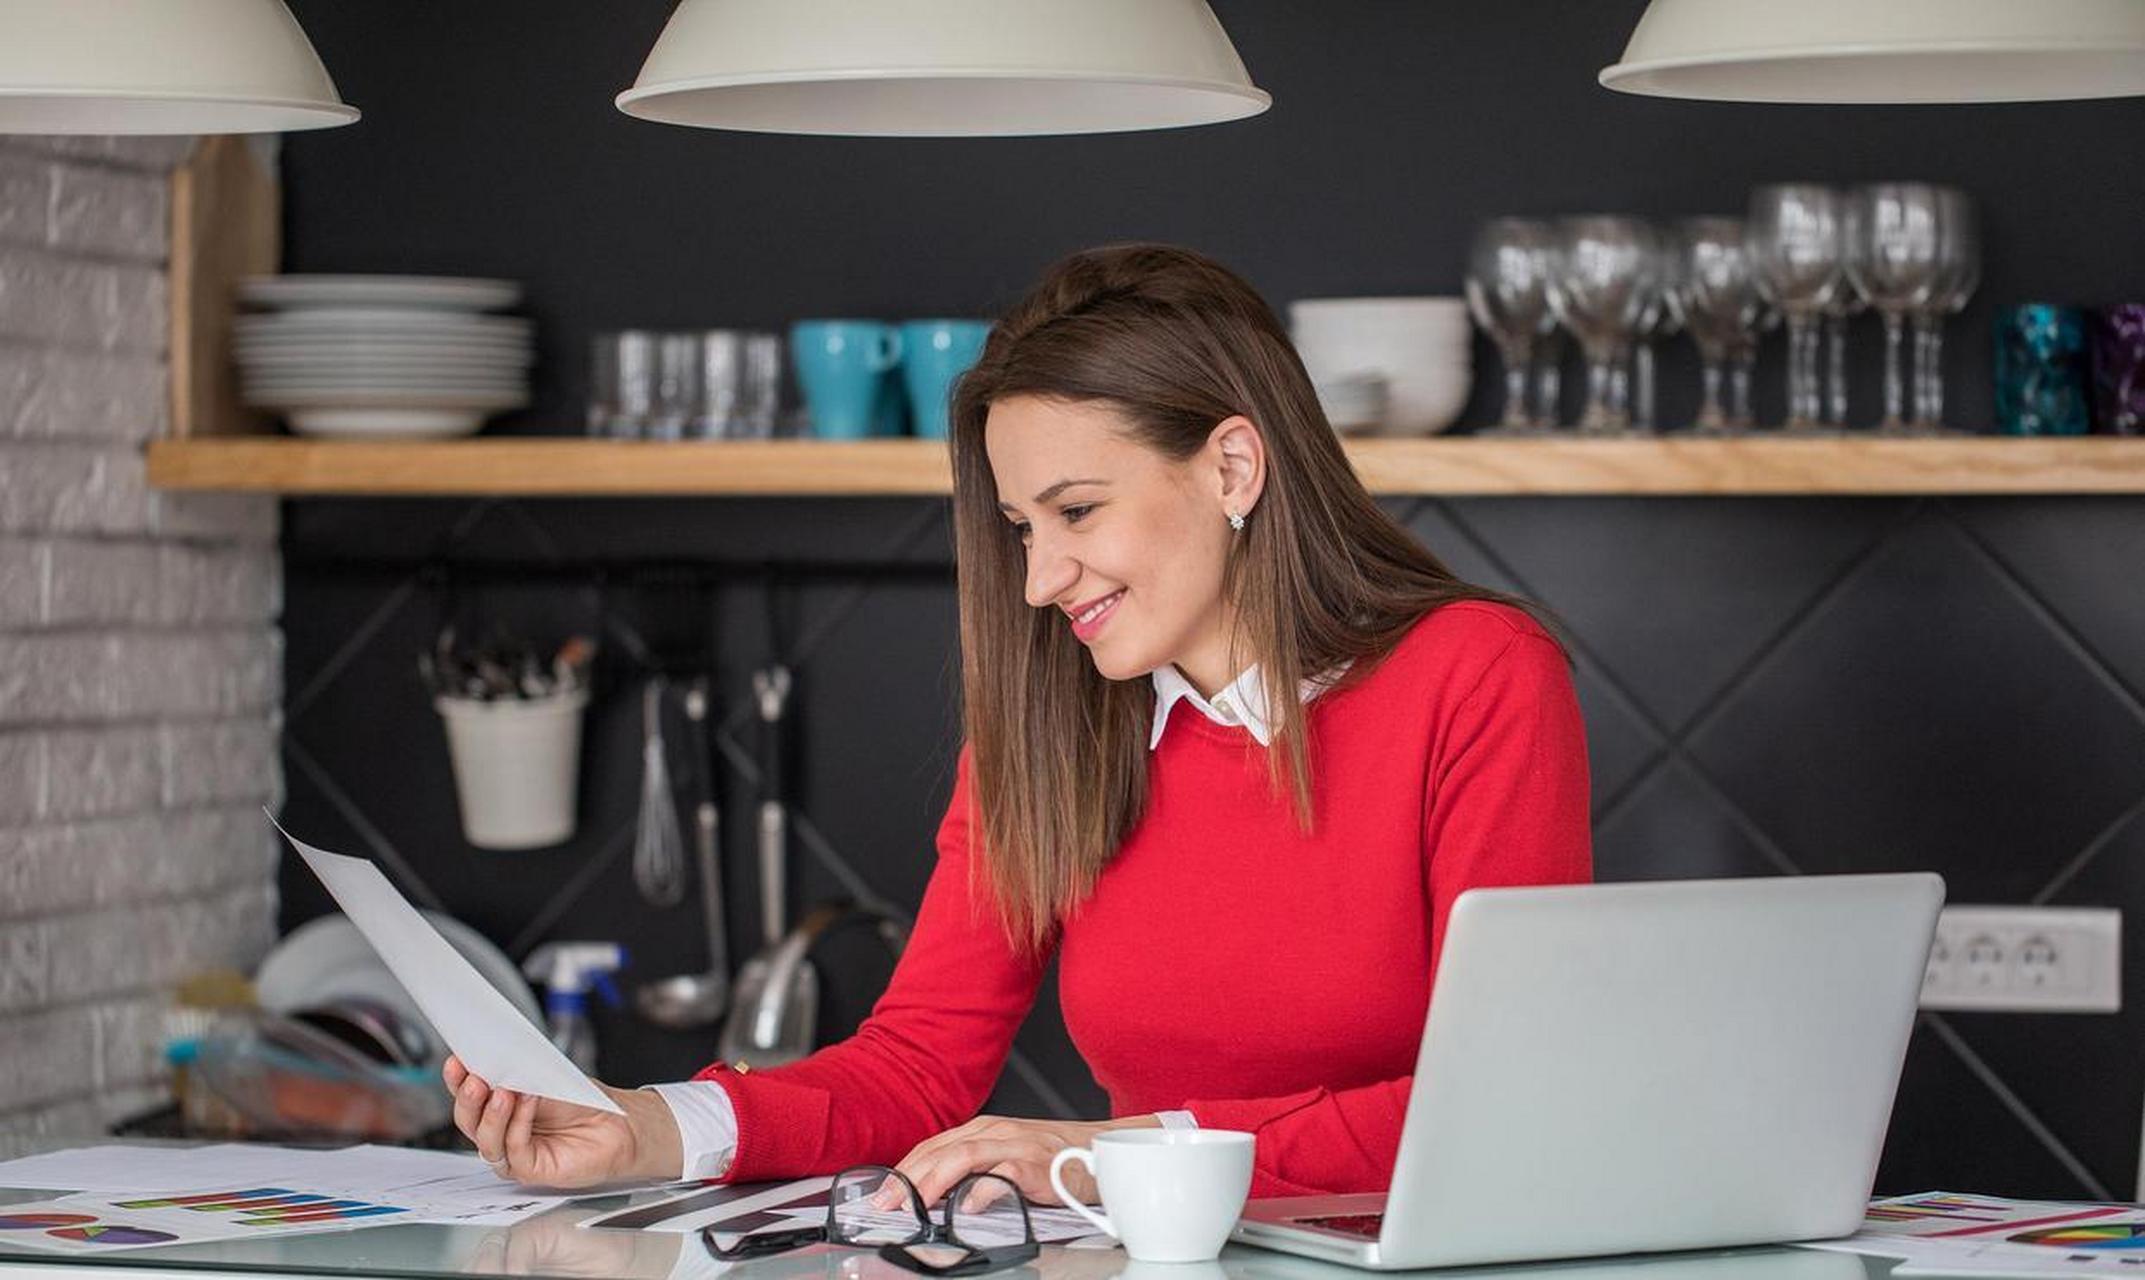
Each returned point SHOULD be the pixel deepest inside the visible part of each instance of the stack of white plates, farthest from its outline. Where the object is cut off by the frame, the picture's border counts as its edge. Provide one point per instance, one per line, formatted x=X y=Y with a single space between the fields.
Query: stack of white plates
x=1420 y=348
x=382 y=356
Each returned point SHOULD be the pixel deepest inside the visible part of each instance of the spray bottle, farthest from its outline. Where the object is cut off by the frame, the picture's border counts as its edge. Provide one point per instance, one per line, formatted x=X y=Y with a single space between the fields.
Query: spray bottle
x=567 y=971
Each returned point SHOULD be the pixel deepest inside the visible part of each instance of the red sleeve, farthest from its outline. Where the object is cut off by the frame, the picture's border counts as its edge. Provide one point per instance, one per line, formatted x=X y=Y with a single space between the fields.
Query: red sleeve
x=1507 y=805
x=926 y=1058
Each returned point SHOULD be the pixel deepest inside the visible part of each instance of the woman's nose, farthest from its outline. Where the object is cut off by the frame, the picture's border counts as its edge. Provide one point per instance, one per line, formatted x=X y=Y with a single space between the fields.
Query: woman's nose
x=1049 y=574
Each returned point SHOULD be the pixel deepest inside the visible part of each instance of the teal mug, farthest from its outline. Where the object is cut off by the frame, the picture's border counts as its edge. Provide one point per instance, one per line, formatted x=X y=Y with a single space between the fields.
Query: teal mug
x=842 y=366
x=934 y=354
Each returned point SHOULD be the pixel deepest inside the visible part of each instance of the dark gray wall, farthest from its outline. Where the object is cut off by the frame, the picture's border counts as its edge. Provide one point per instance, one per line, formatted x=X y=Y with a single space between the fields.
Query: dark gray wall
x=1771 y=685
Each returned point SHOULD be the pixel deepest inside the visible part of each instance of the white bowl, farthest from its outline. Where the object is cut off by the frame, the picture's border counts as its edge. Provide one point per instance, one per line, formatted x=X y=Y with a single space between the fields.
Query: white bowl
x=1424 y=402
x=1353 y=402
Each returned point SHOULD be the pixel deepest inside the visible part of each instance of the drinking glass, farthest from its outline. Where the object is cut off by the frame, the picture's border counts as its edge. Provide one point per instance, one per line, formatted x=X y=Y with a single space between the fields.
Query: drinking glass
x=1508 y=270
x=2042 y=385
x=1549 y=377
x=1796 y=245
x=676 y=400
x=1896 y=265
x=1959 y=249
x=1715 y=298
x=1607 y=274
x=623 y=386
x=2119 y=368
x=1658 y=322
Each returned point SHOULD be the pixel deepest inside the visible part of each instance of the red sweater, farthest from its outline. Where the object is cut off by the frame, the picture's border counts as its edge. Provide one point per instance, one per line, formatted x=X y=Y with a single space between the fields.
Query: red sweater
x=1227 y=963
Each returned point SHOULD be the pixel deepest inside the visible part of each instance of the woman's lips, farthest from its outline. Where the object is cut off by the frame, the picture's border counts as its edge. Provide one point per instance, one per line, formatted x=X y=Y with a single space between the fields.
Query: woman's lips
x=1087 y=630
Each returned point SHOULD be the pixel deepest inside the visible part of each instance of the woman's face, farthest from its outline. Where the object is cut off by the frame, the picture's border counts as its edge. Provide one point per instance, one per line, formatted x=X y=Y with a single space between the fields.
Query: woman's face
x=1127 y=545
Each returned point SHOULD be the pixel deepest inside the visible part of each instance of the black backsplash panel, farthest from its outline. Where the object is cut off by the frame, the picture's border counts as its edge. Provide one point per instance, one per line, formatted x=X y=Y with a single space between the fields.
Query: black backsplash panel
x=1771 y=684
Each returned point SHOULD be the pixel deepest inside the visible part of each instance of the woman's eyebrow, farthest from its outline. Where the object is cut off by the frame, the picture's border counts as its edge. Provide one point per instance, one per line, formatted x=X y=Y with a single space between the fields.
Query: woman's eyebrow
x=1053 y=491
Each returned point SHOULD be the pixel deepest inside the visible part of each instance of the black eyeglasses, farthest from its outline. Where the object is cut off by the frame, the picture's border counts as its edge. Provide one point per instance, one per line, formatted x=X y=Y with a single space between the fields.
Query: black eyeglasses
x=983 y=1227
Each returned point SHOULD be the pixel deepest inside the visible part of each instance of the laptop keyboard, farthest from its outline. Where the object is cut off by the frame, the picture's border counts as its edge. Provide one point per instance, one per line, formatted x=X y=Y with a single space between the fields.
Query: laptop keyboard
x=1365 y=1225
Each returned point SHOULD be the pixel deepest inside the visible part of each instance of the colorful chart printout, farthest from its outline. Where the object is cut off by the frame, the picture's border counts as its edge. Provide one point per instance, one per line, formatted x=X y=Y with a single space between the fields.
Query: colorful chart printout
x=2121 y=1235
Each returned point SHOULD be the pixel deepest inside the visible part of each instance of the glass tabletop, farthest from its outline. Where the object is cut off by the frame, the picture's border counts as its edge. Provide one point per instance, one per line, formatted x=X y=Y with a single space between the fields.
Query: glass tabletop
x=553 y=1244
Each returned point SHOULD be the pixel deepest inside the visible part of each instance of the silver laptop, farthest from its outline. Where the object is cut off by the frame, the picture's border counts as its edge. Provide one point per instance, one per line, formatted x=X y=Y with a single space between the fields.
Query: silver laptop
x=1624 y=1068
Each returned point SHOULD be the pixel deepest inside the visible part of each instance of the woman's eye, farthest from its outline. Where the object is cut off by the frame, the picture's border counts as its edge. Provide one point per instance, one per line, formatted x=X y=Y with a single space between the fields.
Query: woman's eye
x=1073 y=515
x=1020 y=531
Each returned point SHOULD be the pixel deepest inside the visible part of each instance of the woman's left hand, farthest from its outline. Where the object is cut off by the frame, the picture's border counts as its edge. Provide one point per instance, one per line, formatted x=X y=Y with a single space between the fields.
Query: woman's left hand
x=1018 y=1150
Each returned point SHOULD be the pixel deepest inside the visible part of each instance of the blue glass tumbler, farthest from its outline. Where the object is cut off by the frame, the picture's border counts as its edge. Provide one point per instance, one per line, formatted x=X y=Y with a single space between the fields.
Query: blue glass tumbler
x=2041 y=383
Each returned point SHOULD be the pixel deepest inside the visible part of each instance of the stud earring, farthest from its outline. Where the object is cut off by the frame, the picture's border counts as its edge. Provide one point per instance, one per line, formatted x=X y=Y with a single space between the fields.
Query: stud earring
x=1236 y=521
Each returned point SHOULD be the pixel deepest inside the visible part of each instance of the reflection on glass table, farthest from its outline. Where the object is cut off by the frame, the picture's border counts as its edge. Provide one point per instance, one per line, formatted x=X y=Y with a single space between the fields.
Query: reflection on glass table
x=554 y=1245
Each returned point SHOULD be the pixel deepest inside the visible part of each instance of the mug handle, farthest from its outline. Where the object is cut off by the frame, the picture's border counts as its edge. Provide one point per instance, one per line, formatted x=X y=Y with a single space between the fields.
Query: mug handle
x=1057 y=1184
x=889 y=353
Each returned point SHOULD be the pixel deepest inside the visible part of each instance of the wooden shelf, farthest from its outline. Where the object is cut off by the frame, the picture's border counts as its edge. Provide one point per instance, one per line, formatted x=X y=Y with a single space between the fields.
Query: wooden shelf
x=565 y=466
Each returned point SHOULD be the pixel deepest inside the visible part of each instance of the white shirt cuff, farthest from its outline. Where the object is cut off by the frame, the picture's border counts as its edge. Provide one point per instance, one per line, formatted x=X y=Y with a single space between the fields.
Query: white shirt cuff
x=1177 y=1119
x=707 y=1125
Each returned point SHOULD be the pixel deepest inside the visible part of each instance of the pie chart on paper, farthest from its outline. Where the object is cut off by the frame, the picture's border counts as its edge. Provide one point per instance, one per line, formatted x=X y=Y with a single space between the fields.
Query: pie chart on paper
x=101 y=1234
x=2114 y=1235
x=42 y=1221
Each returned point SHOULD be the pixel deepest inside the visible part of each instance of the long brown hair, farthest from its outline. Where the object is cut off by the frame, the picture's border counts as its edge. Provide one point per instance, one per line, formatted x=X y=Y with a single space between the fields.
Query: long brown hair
x=1175 y=343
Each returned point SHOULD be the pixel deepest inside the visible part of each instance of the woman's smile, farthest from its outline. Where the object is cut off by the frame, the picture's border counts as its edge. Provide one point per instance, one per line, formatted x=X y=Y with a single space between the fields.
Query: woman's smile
x=1089 y=619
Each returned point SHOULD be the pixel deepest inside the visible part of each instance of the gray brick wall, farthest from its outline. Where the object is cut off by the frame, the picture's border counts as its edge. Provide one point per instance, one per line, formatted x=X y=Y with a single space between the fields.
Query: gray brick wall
x=140 y=663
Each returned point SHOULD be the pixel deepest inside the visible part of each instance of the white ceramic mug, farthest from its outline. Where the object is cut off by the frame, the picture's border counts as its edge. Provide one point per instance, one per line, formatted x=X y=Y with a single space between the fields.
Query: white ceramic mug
x=1171 y=1195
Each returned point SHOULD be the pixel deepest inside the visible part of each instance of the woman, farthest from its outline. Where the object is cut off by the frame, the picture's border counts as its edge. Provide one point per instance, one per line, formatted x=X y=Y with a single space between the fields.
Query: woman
x=1235 y=743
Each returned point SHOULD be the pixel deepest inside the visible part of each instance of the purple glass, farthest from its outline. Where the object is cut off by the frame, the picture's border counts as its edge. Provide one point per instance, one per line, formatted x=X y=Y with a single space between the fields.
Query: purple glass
x=2119 y=369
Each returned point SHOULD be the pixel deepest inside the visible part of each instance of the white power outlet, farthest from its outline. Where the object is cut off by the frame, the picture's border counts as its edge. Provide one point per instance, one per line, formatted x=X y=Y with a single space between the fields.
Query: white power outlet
x=2026 y=960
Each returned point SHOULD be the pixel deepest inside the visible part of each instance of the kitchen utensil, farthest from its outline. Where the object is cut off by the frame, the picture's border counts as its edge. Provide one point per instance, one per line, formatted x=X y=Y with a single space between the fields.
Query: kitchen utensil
x=752 y=1032
x=698 y=999
x=658 y=845
x=773 y=1022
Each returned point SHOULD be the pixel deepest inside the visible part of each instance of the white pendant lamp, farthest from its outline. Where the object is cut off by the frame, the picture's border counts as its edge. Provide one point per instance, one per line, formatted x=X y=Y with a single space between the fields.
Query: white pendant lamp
x=1885 y=51
x=160 y=66
x=943 y=68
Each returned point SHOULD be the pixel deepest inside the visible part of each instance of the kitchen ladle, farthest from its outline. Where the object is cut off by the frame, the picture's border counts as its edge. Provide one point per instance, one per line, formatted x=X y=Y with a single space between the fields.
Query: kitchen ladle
x=689 y=1000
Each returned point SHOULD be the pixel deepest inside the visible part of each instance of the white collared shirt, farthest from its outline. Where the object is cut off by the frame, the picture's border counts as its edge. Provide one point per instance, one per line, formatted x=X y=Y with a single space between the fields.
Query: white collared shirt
x=1242 y=703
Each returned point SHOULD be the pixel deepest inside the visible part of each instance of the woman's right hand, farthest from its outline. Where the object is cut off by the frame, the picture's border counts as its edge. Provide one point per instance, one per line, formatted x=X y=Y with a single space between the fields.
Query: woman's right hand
x=544 y=1142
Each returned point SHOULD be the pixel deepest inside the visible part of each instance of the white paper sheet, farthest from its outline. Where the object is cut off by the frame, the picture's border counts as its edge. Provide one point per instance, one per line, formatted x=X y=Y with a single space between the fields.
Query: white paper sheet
x=488 y=1034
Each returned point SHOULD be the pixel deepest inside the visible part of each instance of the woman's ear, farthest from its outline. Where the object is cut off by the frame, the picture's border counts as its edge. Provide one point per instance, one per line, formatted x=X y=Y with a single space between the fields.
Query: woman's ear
x=1240 y=463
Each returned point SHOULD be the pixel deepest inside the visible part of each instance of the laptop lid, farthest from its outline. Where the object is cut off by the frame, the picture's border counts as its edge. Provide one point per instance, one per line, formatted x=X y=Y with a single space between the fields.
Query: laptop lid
x=1627 y=1067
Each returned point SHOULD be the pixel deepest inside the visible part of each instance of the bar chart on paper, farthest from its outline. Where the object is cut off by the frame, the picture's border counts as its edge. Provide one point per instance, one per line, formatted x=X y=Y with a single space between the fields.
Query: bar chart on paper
x=92 y=1223
x=268 y=1206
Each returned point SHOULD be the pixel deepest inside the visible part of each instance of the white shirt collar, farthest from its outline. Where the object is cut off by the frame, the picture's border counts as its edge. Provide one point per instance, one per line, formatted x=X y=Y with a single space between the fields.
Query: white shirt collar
x=1242 y=703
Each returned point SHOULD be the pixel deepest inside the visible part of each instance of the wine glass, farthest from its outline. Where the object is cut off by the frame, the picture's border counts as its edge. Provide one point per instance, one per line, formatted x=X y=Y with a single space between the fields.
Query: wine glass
x=1508 y=269
x=1796 y=245
x=1959 y=274
x=1657 y=323
x=1607 y=273
x=1715 y=297
x=1847 y=303
x=1896 y=265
